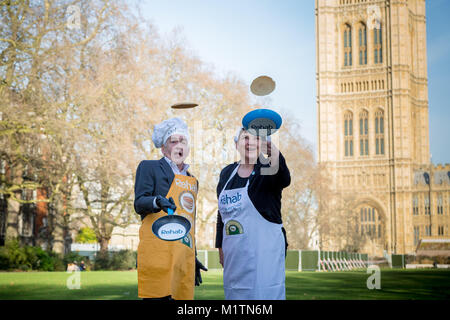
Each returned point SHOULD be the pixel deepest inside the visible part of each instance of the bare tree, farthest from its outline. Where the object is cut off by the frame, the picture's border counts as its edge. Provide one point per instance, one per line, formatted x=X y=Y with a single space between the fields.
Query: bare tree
x=81 y=86
x=36 y=48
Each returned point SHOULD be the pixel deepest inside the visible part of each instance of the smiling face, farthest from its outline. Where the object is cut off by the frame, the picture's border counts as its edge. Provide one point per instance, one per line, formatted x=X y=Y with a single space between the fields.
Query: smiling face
x=249 y=147
x=176 y=148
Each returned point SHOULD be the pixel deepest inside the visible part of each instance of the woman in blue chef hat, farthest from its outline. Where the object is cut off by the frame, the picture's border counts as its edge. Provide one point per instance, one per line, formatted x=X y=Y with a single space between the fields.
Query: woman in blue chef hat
x=250 y=235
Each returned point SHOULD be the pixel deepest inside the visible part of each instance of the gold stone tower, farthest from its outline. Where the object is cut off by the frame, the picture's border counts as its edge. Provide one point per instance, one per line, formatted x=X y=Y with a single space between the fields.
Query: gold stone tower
x=372 y=99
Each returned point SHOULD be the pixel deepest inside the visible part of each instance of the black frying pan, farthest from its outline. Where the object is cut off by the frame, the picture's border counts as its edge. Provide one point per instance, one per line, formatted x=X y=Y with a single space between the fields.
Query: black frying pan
x=171 y=227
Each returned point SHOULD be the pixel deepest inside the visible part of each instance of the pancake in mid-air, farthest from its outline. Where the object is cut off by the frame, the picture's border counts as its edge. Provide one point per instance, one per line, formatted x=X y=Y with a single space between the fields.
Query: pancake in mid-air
x=184 y=105
x=262 y=86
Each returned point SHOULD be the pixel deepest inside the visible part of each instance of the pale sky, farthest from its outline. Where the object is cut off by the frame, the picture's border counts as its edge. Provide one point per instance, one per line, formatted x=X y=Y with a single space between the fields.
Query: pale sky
x=277 y=38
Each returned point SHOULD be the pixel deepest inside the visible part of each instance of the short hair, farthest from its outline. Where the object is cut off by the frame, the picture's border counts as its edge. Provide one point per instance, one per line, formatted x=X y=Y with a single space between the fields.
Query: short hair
x=241 y=130
x=238 y=134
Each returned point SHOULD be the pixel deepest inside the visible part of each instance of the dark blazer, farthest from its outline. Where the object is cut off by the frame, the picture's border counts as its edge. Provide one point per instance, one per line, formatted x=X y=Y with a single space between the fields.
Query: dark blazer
x=153 y=178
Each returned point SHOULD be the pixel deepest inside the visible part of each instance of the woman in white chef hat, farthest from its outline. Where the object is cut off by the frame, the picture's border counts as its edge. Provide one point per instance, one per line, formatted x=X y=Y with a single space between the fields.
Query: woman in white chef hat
x=250 y=235
x=167 y=269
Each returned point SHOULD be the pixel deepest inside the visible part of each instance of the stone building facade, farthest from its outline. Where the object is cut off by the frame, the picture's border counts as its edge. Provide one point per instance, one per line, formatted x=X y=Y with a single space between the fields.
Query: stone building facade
x=373 y=128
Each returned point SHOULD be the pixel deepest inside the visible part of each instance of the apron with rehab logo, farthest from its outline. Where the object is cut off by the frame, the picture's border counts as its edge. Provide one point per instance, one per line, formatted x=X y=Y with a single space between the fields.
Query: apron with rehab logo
x=168 y=267
x=253 y=249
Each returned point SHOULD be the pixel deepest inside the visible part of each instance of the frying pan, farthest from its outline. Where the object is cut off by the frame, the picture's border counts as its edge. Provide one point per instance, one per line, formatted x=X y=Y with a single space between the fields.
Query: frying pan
x=171 y=227
x=263 y=121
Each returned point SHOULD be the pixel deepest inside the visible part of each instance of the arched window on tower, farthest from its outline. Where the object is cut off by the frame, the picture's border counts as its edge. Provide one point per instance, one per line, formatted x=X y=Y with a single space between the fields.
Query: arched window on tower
x=362 y=36
x=347 y=45
x=415 y=205
x=379 y=132
x=378 y=41
x=364 y=133
x=370 y=222
x=348 y=134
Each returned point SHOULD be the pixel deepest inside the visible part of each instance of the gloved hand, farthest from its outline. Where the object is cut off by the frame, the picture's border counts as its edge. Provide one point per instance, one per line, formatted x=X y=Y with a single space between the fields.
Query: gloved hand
x=165 y=204
x=198 y=276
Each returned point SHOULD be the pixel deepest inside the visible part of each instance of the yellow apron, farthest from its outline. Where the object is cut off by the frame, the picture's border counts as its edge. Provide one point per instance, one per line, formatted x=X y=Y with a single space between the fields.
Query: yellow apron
x=168 y=267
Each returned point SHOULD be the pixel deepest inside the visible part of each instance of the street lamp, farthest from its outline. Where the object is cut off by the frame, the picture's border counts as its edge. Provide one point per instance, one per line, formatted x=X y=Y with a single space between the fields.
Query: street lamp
x=427 y=180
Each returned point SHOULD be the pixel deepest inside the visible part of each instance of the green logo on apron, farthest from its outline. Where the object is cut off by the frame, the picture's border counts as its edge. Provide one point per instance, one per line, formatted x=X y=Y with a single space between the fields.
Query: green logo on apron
x=187 y=240
x=233 y=227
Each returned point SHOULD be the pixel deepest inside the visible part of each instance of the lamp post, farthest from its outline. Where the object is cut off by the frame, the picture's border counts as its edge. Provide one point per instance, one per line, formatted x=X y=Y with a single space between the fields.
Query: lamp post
x=428 y=182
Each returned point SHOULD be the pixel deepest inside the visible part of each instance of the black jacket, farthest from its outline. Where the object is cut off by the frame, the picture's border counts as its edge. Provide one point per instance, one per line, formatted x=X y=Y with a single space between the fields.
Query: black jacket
x=153 y=178
x=264 y=192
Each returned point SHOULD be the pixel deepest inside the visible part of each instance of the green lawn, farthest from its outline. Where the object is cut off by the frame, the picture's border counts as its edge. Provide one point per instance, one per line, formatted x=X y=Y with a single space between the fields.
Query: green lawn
x=395 y=284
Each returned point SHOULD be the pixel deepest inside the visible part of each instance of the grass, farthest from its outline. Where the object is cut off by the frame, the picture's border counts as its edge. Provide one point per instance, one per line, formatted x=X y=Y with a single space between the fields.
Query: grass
x=107 y=285
x=113 y=285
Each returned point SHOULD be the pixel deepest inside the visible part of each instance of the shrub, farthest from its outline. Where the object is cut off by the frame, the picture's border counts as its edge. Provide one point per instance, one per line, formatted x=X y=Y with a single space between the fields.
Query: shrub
x=56 y=260
x=4 y=259
x=75 y=256
x=35 y=257
x=121 y=260
x=17 y=255
x=46 y=261
x=102 y=261
x=13 y=256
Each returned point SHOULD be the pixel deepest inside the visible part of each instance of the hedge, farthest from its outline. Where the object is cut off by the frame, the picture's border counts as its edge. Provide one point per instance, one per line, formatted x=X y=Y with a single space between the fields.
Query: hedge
x=14 y=257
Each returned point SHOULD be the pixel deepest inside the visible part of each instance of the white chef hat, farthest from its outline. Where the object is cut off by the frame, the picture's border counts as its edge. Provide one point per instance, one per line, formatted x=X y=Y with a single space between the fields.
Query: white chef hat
x=167 y=128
